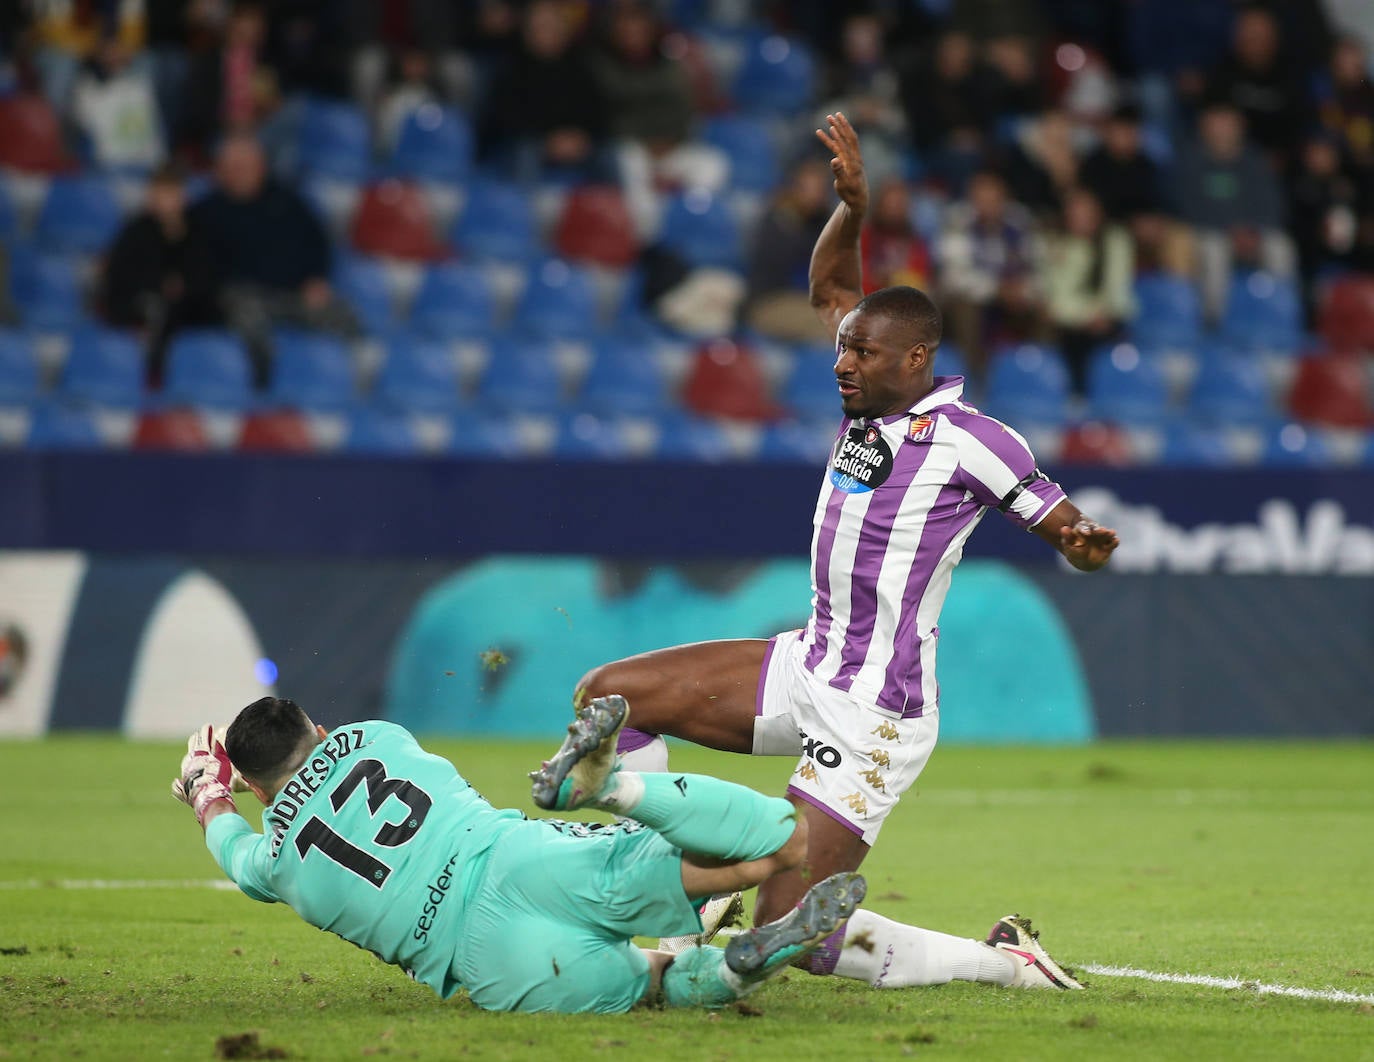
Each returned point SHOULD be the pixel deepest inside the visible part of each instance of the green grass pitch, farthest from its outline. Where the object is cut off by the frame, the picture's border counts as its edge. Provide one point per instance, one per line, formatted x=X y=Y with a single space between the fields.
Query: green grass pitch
x=1248 y=861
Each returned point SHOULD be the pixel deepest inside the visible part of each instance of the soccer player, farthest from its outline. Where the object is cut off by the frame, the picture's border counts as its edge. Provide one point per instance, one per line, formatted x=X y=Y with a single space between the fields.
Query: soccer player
x=368 y=836
x=913 y=470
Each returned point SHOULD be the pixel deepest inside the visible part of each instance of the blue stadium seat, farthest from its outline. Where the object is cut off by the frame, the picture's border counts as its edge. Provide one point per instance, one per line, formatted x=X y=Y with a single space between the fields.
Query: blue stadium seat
x=777 y=77
x=559 y=302
x=587 y=437
x=1126 y=386
x=497 y=224
x=46 y=289
x=80 y=215
x=521 y=378
x=477 y=434
x=1186 y=444
x=799 y=441
x=61 y=426
x=683 y=437
x=1029 y=382
x=334 y=140
x=311 y=371
x=1292 y=445
x=20 y=384
x=1263 y=314
x=625 y=378
x=811 y=392
x=1230 y=389
x=700 y=228
x=419 y=376
x=1170 y=313
x=361 y=282
x=950 y=361
x=9 y=222
x=748 y=142
x=435 y=144
x=455 y=301
x=381 y=432
x=208 y=368
x=104 y=367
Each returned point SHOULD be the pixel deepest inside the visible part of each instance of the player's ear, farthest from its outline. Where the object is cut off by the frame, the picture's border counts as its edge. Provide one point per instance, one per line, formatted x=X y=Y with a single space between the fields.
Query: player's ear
x=919 y=356
x=321 y=732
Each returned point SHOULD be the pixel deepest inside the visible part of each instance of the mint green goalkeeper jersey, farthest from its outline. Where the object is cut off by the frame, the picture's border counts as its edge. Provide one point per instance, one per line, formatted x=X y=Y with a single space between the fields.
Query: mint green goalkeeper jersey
x=373 y=839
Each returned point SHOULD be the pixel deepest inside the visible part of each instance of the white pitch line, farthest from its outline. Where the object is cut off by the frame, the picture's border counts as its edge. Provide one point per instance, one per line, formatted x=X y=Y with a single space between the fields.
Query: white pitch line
x=1328 y=995
x=117 y=883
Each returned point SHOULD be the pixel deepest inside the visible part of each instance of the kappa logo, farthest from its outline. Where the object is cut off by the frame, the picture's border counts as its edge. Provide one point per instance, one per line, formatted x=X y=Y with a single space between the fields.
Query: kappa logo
x=874 y=778
x=807 y=772
x=880 y=757
x=857 y=803
x=920 y=428
x=825 y=755
x=887 y=732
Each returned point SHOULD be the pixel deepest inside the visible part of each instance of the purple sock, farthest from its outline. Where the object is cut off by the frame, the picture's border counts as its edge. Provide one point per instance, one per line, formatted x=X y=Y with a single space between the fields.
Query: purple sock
x=827 y=954
x=631 y=739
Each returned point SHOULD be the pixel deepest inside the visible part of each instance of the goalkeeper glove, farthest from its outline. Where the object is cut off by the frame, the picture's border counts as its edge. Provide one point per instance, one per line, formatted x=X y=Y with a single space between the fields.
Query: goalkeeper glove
x=206 y=773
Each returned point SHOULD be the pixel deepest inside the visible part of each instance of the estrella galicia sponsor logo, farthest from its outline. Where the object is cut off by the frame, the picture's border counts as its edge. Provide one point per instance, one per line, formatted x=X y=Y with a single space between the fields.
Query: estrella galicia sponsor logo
x=814 y=750
x=861 y=460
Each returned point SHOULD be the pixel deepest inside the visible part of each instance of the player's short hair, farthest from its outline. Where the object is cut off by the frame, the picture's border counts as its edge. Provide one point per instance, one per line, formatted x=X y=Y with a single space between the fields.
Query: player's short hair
x=911 y=310
x=263 y=737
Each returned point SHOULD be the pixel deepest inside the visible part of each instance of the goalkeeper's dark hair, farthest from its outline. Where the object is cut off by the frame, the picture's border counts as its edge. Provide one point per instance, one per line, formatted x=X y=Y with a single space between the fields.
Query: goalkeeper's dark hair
x=911 y=310
x=264 y=736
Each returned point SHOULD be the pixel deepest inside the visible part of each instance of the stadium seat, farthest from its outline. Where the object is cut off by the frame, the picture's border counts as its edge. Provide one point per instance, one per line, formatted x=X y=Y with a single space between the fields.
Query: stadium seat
x=950 y=361
x=361 y=282
x=64 y=426
x=171 y=429
x=207 y=368
x=1169 y=314
x=559 y=302
x=1230 y=389
x=1263 y=314
x=521 y=378
x=311 y=371
x=394 y=220
x=1096 y=442
x=418 y=376
x=455 y=301
x=1127 y=387
x=625 y=378
x=1332 y=390
x=811 y=391
x=726 y=380
x=1295 y=446
x=79 y=215
x=9 y=221
x=46 y=289
x=699 y=228
x=334 y=140
x=748 y=142
x=275 y=431
x=497 y=224
x=587 y=437
x=1346 y=319
x=683 y=437
x=435 y=144
x=777 y=77
x=381 y=432
x=596 y=227
x=1189 y=445
x=799 y=441
x=31 y=136
x=477 y=434
x=20 y=383
x=1028 y=381
x=104 y=367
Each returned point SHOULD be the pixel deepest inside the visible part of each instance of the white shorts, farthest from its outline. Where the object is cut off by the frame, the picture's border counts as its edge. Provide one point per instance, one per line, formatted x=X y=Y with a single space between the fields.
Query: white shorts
x=856 y=759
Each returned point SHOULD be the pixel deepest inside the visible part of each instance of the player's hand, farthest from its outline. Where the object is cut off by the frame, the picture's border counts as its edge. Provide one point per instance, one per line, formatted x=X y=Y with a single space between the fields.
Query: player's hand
x=1086 y=544
x=206 y=773
x=851 y=184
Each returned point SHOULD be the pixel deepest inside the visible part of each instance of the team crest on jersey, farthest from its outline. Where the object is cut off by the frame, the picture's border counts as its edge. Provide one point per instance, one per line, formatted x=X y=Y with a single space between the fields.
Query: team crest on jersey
x=920 y=428
x=861 y=461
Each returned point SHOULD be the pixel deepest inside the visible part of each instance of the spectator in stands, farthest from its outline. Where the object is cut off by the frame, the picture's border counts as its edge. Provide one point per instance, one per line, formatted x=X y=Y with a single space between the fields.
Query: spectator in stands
x=115 y=106
x=1323 y=208
x=545 y=113
x=1126 y=181
x=412 y=85
x=230 y=86
x=1260 y=82
x=1230 y=195
x=65 y=33
x=1014 y=86
x=861 y=82
x=1042 y=167
x=1347 y=107
x=158 y=275
x=987 y=260
x=893 y=251
x=271 y=254
x=946 y=99
x=778 y=304
x=1087 y=276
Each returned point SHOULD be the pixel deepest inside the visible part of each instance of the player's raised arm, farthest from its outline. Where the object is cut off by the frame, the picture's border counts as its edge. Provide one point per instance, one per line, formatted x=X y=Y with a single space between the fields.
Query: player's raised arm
x=1084 y=543
x=836 y=263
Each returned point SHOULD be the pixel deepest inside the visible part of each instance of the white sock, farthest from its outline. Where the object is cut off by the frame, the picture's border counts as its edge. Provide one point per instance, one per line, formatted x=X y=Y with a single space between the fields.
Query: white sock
x=888 y=954
x=622 y=794
x=647 y=758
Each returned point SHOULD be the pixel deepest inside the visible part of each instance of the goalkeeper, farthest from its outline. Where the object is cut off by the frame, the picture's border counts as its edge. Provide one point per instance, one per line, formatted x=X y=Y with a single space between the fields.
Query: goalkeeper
x=368 y=836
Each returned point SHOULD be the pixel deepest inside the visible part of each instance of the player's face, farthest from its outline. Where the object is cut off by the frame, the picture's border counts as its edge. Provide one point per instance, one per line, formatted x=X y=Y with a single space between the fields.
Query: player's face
x=877 y=374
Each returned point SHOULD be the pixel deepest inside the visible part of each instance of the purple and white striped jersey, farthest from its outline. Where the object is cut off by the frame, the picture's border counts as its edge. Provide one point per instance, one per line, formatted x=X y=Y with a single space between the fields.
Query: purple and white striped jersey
x=900 y=498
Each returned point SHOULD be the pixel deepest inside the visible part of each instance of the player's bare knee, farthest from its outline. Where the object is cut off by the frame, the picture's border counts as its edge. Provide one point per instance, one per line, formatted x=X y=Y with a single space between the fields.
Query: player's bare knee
x=793 y=853
x=598 y=682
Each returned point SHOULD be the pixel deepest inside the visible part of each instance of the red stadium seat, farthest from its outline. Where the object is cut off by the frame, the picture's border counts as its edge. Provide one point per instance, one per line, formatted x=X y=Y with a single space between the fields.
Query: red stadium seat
x=282 y=431
x=1346 y=320
x=1096 y=442
x=726 y=381
x=596 y=227
x=394 y=220
x=30 y=136
x=1332 y=390
x=171 y=429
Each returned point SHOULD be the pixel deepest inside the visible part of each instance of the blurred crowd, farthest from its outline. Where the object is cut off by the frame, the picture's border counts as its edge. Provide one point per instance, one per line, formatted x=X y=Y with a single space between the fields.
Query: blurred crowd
x=1066 y=176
